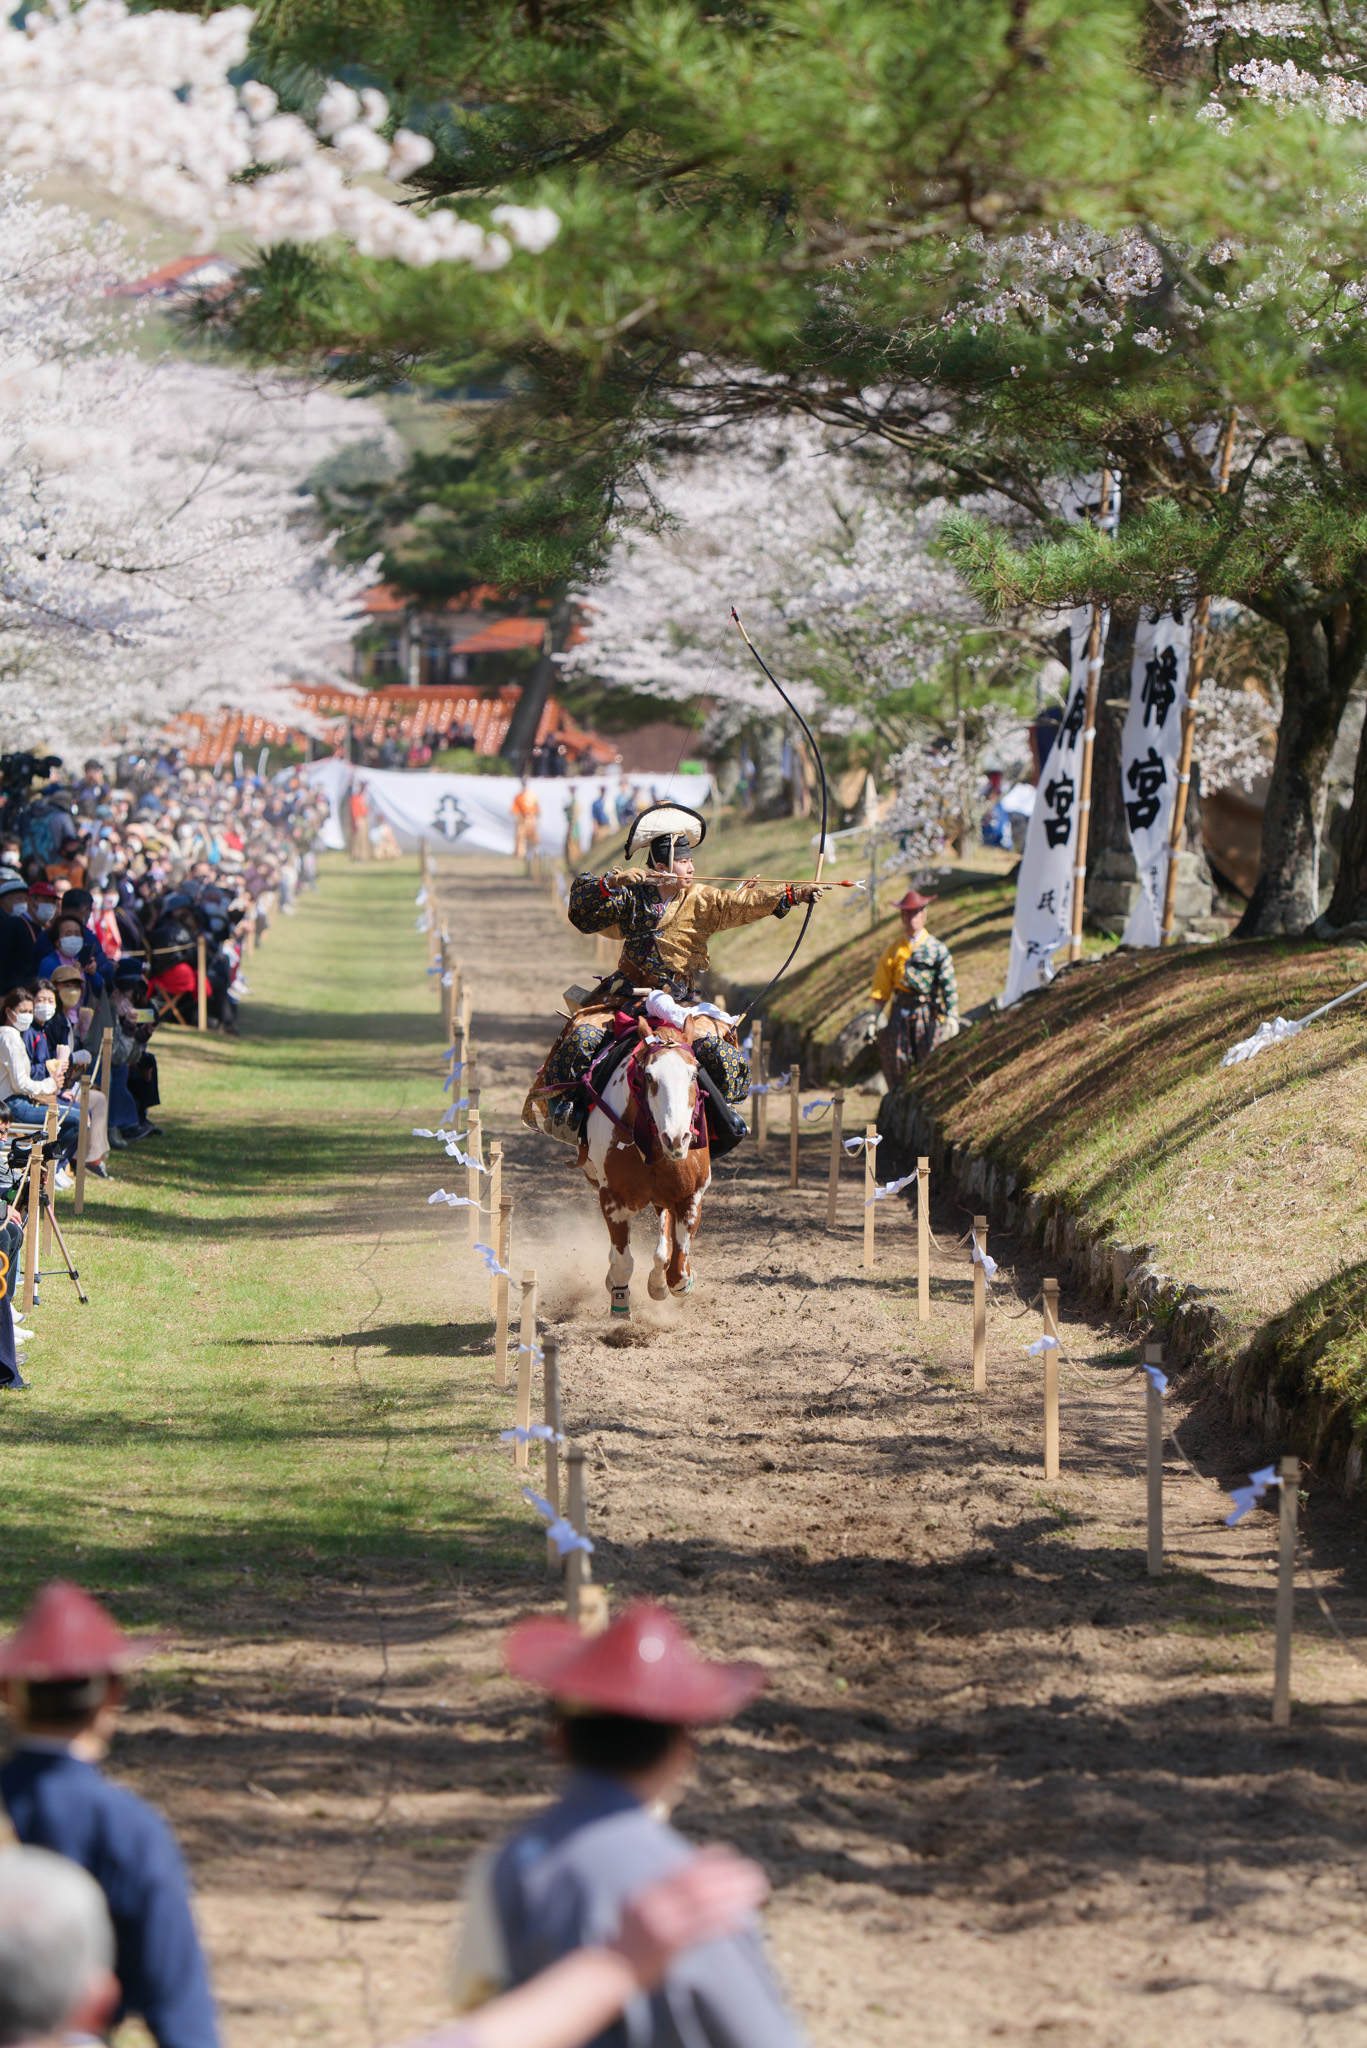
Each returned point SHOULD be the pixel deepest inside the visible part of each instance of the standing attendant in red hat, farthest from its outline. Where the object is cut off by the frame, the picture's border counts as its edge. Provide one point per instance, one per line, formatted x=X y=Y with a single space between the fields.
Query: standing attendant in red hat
x=62 y=1682
x=625 y=1702
x=915 y=978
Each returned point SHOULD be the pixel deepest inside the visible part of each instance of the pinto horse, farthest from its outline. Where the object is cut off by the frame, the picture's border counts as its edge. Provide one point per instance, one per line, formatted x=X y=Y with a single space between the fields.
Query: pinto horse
x=646 y=1147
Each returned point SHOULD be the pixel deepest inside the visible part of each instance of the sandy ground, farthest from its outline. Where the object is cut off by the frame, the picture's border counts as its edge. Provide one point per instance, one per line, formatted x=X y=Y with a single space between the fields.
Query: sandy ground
x=1006 y=1787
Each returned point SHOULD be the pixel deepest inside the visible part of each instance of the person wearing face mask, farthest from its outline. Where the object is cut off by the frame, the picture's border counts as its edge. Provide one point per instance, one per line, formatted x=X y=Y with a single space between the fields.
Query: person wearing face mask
x=80 y=905
x=30 y=1097
x=26 y=937
x=68 y=948
x=59 y=1025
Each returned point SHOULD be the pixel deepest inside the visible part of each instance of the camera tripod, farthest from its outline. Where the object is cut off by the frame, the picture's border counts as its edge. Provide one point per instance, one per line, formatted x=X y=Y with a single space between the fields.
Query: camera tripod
x=35 y=1174
x=51 y=1215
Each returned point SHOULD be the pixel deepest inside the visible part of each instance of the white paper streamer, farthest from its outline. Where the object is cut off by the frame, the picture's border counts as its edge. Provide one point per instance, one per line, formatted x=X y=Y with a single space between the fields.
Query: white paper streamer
x=892 y=1187
x=453 y=1201
x=1273 y=1032
x=538 y=1433
x=984 y=1259
x=1157 y=1379
x=421 y=896
x=490 y=1258
x=815 y=1108
x=1246 y=1497
x=563 y=1534
x=1041 y=1344
x=858 y=1144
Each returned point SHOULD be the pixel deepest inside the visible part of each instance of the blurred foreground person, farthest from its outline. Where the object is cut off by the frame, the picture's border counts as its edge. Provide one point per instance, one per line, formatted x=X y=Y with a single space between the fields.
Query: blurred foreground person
x=625 y=1703
x=56 y=1951
x=572 y=2001
x=62 y=1682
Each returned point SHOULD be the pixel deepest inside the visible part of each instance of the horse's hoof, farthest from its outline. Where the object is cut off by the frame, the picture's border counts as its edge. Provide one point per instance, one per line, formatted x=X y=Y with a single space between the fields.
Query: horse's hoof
x=621 y=1303
x=655 y=1286
x=685 y=1286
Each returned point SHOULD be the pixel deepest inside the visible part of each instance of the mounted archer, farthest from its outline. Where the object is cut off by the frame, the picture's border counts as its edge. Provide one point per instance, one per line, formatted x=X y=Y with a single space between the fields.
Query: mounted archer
x=663 y=920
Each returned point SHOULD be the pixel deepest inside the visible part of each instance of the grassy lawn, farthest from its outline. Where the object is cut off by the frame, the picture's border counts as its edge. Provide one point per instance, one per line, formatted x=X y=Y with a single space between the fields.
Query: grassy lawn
x=267 y=1385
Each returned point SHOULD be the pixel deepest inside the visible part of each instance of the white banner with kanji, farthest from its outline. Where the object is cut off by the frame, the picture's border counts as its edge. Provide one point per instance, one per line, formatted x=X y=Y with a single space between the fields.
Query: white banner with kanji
x=1149 y=749
x=1044 y=890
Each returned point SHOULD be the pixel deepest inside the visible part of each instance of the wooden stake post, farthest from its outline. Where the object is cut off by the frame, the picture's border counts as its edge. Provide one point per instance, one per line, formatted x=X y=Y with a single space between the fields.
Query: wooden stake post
x=1286 y=1591
x=1051 y=1380
x=495 y=1204
x=82 y=1143
x=870 y=1187
x=473 y=1175
x=1084 y=791
x=757 y=1074
x=923 y=1240
x=201 y=984
x=503 y=1250
x=448 y=989
x=794 y=1121
x=980 y=1309
x=526 y=1344
x=550 y=1380
x=577 y=1570
x=106 y=1058
x=1153 y=1416
x=837 y=1134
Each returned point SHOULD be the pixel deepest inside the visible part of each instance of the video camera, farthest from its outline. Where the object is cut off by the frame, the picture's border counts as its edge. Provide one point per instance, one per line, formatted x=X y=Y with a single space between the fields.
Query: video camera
x=17 y=771
x=15 y=1153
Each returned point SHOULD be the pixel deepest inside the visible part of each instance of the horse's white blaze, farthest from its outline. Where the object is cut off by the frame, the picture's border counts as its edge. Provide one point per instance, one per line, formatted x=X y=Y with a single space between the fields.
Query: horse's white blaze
x=671 y=1101
x=601 y=1129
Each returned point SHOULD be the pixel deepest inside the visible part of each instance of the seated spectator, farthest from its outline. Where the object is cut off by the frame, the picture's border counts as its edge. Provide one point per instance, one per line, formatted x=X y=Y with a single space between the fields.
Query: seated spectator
x=80 y=904
x=25 y=935
x=69 y=1025
x=134 y=1027
x=29 y=1100
x=68 y=943
x=11 y=1244
x=106 y=924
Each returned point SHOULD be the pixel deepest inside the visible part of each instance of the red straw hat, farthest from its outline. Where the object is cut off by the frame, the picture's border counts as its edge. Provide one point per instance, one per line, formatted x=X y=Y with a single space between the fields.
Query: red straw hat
x=66 y=1634
x=643 y=1666
x=44 y=892
x=914 y=900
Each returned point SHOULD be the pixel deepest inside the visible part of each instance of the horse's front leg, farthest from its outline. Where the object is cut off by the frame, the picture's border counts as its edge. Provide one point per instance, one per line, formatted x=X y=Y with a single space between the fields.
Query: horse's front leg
x=620 y=1262
x=679 y=1275
x=657 y=1282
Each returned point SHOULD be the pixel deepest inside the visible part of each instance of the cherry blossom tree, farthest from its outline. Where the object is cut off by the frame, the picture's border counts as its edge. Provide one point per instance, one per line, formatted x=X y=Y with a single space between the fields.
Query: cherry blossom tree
x=144 y=106
x=157 y=547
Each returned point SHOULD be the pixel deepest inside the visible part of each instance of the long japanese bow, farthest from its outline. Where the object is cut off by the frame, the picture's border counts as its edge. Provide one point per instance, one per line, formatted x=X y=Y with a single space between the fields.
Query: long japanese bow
x=750 y=1008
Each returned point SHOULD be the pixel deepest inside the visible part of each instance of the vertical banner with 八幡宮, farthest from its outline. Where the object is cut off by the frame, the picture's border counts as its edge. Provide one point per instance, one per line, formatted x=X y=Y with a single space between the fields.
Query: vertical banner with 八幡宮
x=1149 y=748
x=1044 y=892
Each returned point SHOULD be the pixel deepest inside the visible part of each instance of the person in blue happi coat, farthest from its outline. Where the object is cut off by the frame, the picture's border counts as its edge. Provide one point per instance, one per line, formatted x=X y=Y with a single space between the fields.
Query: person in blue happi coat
x=61 y=1674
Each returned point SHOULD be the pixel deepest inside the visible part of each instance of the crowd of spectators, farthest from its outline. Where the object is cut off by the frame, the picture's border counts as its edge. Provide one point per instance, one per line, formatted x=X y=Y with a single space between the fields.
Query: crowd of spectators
x=107 y=887
x=107 y=884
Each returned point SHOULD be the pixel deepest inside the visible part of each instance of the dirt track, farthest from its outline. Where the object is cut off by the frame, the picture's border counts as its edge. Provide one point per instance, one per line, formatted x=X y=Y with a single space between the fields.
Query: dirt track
x=1005 y=1786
